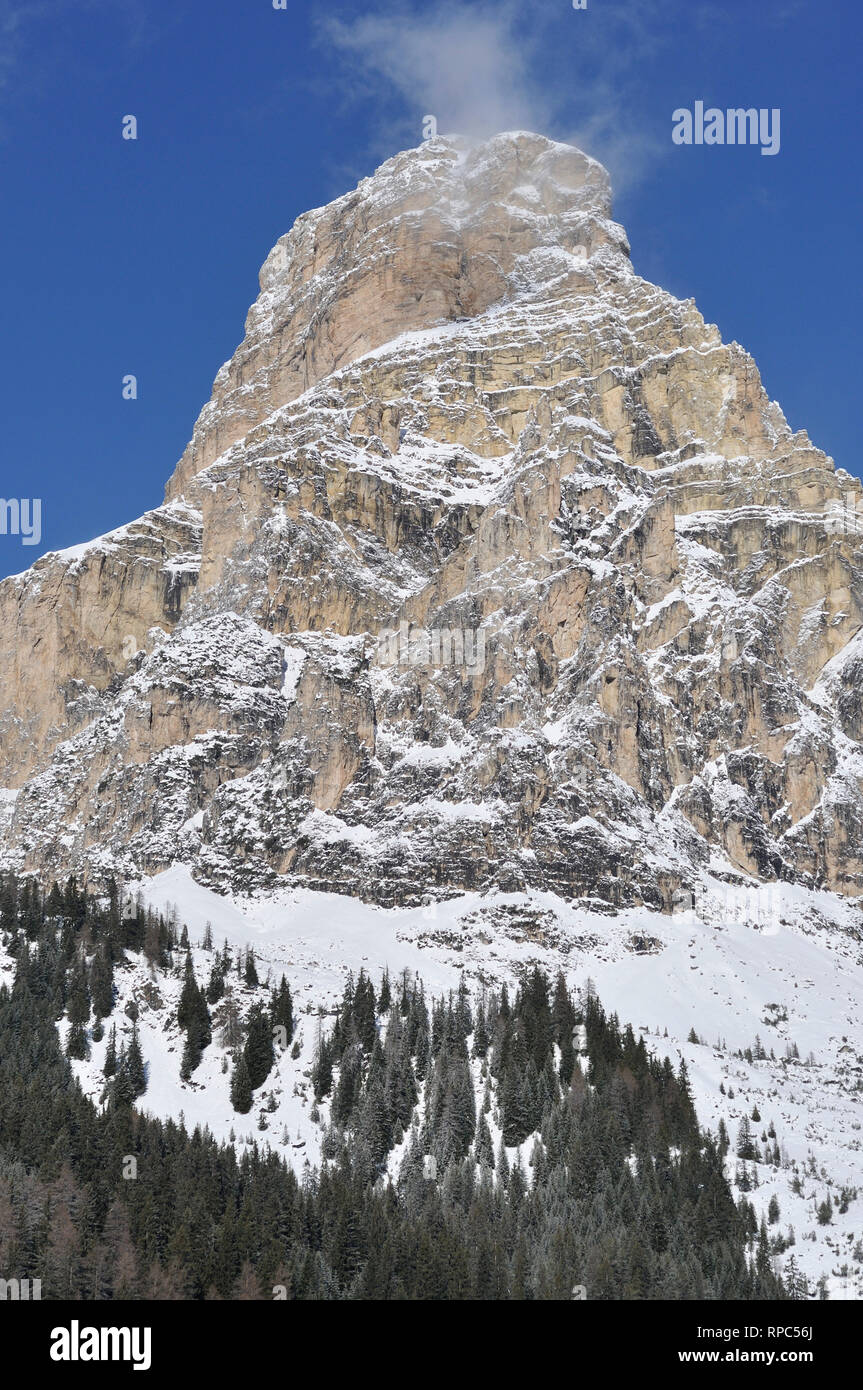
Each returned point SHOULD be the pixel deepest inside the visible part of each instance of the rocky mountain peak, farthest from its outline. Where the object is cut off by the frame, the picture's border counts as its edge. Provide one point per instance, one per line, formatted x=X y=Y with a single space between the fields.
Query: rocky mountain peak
x=437 y=234
x=489 y=565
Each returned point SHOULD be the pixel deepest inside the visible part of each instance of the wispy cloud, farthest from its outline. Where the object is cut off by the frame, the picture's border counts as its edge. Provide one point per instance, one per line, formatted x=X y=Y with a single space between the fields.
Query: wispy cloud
x=480 y=68
x=460 y=62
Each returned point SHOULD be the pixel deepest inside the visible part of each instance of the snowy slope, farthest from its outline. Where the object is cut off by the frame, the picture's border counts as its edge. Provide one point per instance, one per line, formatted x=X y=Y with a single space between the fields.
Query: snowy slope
x=747 y=963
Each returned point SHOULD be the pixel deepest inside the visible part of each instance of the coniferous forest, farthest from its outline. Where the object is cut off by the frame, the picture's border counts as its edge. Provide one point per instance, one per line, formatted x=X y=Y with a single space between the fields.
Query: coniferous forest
x=617 y=1191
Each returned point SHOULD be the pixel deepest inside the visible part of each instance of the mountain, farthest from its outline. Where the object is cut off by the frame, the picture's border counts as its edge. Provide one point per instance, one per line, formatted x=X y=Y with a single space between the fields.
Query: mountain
x=493 y=608
x=457 y=407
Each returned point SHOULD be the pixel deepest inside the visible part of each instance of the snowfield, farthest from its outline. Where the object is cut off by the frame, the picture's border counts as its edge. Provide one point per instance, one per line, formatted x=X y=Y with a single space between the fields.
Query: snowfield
x=769 y=978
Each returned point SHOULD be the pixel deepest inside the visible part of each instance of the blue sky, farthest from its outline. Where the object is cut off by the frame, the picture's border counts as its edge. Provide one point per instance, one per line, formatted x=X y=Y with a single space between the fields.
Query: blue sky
x=141 y=256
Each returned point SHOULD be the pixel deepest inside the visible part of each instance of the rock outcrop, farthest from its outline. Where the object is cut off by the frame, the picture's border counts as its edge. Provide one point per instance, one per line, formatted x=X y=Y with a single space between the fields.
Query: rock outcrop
x=488 y=563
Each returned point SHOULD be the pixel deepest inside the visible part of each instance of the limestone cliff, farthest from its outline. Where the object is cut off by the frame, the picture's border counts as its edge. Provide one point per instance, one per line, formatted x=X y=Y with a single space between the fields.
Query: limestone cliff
x=623 y=599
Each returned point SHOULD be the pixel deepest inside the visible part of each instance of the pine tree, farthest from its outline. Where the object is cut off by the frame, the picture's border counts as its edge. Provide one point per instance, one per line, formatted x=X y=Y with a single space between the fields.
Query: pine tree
x=241 y=1087
x=79 y=997
x=231 y=1034
x=188 y=1002
x=483 y=1148
x=745 y=1147
x=190 y=1059
x=283 y=1010
x=102 y=983
x=363 y=1012
x=258 y=1049
x=480 y=1034
x=194 y=1016
x=502 y=1165
x=515 y=1102
x=77 y=1044
x=53 y=907
x=216 y=982
x=322 y=1069
x=122 y=1090
x=110 y=1067
x=135 y=1069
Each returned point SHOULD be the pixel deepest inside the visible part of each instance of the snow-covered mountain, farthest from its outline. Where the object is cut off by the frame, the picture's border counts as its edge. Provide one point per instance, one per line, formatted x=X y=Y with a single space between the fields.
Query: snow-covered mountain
x=493 y=613
x=457 y=408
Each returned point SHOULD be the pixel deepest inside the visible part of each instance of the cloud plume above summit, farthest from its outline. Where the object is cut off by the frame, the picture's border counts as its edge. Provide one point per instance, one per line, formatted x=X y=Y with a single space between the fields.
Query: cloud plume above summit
x=480 y=68
x=462 y=63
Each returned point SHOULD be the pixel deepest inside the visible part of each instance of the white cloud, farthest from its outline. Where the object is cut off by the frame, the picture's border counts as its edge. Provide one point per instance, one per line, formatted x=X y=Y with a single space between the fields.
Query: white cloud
x=460 y=63
x=480 y=68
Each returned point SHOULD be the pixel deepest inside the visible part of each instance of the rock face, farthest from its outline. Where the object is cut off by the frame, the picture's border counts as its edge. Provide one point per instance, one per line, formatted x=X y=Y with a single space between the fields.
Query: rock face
x=488 y=563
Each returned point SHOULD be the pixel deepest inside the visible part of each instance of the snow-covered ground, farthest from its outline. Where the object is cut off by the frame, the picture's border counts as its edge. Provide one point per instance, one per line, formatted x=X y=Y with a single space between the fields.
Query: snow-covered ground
x=771 y=969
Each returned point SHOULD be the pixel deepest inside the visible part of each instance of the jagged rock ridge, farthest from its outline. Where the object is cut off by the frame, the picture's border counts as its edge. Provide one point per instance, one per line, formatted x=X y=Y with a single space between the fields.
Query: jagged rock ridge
x=456 y=408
